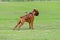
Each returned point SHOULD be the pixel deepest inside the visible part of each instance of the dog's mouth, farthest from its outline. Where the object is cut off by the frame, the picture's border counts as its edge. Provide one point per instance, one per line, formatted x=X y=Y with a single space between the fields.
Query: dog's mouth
x=37 y=14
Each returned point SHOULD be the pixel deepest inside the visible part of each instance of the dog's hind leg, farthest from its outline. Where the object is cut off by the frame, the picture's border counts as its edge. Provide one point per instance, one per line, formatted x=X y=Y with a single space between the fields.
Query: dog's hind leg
x=21 y=23
x=17 y=25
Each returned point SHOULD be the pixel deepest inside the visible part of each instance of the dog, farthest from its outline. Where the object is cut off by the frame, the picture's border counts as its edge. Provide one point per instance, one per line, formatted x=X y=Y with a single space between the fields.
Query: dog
x=27 y=18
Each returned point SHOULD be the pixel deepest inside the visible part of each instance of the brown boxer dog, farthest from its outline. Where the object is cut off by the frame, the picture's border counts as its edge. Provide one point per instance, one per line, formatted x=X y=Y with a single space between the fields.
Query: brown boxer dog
x=27 y=18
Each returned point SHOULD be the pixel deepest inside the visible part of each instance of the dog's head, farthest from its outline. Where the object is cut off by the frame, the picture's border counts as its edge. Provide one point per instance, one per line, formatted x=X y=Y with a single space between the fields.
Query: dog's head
x=35 y=12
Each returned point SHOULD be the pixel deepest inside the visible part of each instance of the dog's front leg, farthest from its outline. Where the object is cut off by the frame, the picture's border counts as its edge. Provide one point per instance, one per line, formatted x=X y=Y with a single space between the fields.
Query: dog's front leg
x=31 y=25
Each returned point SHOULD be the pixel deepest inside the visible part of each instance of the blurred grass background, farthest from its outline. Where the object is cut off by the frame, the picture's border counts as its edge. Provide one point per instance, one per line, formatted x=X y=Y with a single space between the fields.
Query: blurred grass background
x=46 y=25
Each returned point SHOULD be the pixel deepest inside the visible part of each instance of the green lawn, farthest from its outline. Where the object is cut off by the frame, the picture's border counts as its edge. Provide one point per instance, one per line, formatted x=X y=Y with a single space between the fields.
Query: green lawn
x=46 y=25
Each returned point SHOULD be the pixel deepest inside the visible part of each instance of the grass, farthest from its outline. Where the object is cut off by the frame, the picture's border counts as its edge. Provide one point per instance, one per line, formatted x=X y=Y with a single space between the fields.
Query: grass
x=46 y=25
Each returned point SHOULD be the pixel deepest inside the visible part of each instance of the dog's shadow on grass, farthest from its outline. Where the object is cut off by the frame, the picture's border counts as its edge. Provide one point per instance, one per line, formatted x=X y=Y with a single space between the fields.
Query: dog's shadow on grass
x=24 y=29
x=38 y=28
